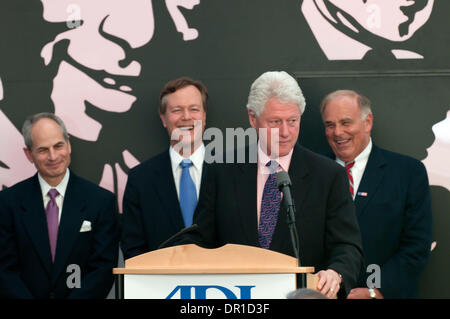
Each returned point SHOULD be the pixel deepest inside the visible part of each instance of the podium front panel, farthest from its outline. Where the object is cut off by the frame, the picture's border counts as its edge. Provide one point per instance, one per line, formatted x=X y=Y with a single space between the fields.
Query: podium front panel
x=208 y=286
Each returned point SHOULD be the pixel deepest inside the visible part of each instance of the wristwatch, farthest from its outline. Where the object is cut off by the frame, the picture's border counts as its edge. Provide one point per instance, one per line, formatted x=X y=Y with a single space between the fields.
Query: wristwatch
x=372 y=293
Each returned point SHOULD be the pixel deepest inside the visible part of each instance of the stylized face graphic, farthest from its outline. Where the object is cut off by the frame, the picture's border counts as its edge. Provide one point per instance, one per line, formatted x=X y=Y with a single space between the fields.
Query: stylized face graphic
x=346 y=132
x=100 y=37
x=395 y=20
x=278 y=126
x=50 y=152
x=348 y=29
x=438 y=154
x=98 y=67
x=185 y=118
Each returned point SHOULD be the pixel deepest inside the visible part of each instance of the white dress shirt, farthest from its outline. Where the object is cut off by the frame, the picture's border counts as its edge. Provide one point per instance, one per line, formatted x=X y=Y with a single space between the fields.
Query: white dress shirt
x=61 y=188
x=359 y=167
x=195 y=170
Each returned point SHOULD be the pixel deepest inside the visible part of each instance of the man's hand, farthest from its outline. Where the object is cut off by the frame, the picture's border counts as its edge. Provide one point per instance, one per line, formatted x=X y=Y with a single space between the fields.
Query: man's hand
x=363 y=293
x=329 y=282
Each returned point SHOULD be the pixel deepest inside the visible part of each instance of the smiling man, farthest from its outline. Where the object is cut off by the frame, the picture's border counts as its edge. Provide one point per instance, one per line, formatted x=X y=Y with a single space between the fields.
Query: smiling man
x=162 y=193
x=55 y=221
x=391 y=194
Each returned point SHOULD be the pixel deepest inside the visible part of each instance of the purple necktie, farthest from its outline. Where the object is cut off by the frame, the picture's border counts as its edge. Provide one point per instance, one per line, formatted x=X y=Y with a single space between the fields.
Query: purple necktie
x=51 y=211
x=270 y=205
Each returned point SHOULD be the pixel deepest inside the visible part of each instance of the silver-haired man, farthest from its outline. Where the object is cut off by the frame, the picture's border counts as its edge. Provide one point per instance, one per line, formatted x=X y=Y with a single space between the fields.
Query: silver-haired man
x=244 y=206
x=59 y=233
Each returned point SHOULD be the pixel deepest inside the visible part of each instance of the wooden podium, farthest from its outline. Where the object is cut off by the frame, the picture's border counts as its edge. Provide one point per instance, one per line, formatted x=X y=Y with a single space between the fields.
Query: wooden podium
x=191 y=272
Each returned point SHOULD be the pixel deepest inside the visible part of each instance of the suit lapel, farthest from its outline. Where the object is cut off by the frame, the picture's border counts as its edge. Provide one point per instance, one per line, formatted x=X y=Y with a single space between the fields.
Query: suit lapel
x=72 y=217
x=33 y=216
x=245 y=183
x=167 y=192
x=371 y=179
x=202 y=185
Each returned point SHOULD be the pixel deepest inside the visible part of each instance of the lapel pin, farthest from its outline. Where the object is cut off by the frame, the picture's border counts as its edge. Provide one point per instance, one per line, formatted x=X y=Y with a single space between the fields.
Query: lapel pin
x=364 y=194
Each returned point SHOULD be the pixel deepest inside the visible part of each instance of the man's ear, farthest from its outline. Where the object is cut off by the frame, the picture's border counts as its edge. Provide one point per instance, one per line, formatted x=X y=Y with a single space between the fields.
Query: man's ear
x=369 y=122
x=252 y=118
x=163 y=120
x=28 y=154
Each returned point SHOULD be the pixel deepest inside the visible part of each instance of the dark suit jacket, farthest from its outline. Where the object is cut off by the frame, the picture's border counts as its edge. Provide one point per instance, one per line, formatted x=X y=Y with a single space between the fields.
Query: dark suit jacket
x=26 y=268
x=395 y=220
x=151 y=209
x=325 y=215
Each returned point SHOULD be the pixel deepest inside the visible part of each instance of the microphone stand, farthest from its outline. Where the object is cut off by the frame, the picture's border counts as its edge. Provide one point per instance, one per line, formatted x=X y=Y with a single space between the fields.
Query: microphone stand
x=284 y=185
x=290 y=218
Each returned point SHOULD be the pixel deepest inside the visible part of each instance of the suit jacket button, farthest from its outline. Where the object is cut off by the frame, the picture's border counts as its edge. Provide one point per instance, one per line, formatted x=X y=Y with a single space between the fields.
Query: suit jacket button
x=52 y=295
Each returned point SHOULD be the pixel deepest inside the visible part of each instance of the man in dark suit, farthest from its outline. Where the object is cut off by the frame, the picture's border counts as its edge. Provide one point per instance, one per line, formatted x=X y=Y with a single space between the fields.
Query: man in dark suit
x=242 y=204
x=391 y=195
x=58 y=232
x=162 y=192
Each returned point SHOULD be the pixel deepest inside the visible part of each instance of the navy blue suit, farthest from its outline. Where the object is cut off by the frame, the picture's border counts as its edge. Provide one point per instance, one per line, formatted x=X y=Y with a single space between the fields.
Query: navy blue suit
x=26 y=268
x=395 y=220
x=151 y=209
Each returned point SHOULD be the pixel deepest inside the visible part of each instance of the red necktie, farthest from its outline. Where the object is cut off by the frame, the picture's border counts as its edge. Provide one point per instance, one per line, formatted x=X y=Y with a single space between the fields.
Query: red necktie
x=348 y=167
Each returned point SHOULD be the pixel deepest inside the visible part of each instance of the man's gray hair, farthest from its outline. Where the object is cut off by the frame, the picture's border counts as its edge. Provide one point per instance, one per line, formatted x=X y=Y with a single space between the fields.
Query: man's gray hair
x=276 y=84
x=32 y=119
x=363 y=102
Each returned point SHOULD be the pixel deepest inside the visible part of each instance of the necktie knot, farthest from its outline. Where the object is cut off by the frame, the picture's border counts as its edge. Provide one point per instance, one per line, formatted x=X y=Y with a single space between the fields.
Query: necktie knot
x=53 y=193
x=186 y=163
x=349 y=165
x=272 y=166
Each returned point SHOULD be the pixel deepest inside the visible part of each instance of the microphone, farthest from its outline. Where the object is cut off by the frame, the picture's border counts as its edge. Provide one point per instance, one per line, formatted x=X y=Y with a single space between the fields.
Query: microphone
x=284 y=185
x=192 y=228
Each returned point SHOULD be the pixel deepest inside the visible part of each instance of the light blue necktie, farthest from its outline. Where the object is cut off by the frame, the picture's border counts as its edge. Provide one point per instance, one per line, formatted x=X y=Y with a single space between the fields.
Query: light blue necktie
x=188 y=193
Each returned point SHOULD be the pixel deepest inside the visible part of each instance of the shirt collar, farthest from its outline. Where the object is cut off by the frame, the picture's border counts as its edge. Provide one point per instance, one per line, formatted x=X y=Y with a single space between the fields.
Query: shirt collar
x=283 y=161
x=197 y=157
x=61 y=187
x=362 y=157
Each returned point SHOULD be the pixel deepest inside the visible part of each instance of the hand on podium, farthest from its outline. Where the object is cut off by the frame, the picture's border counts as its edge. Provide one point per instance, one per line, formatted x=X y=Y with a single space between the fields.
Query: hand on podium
x=329 y=282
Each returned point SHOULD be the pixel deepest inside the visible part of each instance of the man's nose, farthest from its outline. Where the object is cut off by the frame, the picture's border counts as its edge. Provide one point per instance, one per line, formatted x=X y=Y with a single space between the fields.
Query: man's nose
x=338 y=130
x=284 y=129
x=52 y=154
x=186 y=114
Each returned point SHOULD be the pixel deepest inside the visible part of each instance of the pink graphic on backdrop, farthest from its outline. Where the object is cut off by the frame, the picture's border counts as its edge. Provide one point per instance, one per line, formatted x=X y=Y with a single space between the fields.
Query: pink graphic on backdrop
x=345 y=29
x=107 y=180
x=101 y=34
x=18 y=167
x=99 y=30
x=178 y=18
x=437 y=161
x=72 y=89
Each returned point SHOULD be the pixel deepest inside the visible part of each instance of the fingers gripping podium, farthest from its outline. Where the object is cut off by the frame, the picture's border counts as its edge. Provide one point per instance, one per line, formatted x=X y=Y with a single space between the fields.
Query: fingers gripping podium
x=191 y=272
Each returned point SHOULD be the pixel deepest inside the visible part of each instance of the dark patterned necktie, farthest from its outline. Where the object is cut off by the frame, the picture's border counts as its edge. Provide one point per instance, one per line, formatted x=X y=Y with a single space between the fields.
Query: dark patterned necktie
x=270 y=206
x=52 y=212
x=348 y=167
